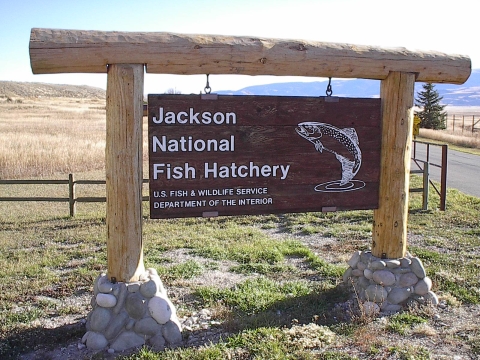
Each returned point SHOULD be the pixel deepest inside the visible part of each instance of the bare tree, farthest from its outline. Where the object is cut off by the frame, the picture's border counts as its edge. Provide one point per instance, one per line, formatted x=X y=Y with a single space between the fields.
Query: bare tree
x=173 y=91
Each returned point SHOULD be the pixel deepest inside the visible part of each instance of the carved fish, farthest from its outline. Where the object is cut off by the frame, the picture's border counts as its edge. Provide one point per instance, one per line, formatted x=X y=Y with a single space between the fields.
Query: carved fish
x=343 y=143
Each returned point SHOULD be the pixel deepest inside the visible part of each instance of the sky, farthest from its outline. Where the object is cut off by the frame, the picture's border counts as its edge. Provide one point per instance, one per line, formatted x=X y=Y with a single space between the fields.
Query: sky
x=428 y=25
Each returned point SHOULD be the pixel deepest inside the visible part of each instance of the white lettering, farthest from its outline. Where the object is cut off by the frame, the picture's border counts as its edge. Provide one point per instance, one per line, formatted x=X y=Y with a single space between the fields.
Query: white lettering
x=177 y=172
x=199 y=145
x=157 y=170
x=157 y=194
x=215 y=192
x=191 y=117
x=266 y=170
x=224 y=172
x=181 y=120
x=207 y=118
x=254 y=168
x=233 y=170
x=261 y=201
x=179 y=204
x=252 y=191
x=284 y=171
x=231 y=118
x=169 y=117
x=218 y=118
x=212 y=171
x=164 y=144
x=241 y=173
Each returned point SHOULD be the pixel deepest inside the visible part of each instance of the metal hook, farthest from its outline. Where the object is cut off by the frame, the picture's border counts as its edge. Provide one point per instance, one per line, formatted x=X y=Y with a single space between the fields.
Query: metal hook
x=207 y=89
x=329 y=91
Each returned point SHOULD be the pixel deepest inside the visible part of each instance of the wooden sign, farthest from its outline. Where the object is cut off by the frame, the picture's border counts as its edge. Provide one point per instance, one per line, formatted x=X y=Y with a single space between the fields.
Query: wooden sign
x=231 y=155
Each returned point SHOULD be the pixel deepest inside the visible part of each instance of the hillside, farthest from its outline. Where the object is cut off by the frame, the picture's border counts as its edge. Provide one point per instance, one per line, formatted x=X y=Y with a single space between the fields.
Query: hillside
x=15 y=89
x=467 y=94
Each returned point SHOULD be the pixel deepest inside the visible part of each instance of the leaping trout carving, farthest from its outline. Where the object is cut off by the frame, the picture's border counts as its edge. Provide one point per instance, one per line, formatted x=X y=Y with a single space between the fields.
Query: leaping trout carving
x=343 y=143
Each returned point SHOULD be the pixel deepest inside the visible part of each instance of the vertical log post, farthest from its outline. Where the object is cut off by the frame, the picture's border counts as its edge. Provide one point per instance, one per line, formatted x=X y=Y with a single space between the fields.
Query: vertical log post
x=123 y=162
x=390 y=219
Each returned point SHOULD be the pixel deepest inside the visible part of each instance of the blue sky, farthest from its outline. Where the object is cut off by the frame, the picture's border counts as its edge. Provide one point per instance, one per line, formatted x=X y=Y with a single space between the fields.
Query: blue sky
x=437 y=25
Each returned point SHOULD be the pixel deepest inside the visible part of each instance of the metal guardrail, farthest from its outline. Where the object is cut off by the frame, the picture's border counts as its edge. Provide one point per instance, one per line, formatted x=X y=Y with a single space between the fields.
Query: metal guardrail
x=424 y=188
x=72 y=199
x=424 y=167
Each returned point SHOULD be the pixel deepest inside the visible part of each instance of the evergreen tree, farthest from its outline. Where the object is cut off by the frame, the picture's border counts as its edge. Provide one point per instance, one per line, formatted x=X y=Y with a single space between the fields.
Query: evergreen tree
x=432 y=115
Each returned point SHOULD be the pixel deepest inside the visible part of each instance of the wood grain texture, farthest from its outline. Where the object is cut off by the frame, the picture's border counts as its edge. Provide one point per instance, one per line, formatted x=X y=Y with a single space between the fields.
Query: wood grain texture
x=264 y=134
x=79 y=51
x=124 y=172
x=390 y=219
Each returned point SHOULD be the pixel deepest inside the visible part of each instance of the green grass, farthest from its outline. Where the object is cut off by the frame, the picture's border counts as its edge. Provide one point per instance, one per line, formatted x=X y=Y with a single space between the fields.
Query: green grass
x=335 y=355
x=256 y=295
x=10 y=318
x=186 y=270
x=46 y=257
x=262 y=268
x=355 y=225
x=409 y=353
x=260 y=343
x=403 y=322
x=450 y=240
x=214 y=352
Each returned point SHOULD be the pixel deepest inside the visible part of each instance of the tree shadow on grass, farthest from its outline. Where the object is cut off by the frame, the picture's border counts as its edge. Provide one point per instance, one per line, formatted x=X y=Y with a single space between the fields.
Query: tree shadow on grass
x=317 y=307
x=419 y=211
x=53 y=224
x=39 y=339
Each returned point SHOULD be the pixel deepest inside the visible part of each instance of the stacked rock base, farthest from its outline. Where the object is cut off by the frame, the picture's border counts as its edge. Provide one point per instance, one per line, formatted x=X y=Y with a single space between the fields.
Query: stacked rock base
x=389 y=285
x=128 y=315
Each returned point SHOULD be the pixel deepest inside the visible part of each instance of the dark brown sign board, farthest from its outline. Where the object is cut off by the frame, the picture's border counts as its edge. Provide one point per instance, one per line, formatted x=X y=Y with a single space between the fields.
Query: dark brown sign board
x=220 y=155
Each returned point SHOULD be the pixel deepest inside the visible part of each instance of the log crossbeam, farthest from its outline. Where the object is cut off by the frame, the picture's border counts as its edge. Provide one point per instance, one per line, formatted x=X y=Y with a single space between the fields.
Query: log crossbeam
x=67 y=51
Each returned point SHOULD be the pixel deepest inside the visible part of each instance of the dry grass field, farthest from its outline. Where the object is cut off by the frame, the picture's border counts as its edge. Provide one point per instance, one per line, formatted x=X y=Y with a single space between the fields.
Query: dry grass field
x=42 y=137
x=459 y=132
x=465 y=140
x=45 y=136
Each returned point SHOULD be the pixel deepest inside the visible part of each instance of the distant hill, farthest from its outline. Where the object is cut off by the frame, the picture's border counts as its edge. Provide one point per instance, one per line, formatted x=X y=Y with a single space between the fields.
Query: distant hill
x=467 y=94
x=15 y=89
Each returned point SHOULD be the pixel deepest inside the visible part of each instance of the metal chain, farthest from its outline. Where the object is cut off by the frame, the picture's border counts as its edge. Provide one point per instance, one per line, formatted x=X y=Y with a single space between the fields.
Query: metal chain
x=329 y=91
x=207 y=89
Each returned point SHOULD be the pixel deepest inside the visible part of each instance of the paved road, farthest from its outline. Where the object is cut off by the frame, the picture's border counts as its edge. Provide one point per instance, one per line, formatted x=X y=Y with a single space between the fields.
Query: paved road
x=463 y=170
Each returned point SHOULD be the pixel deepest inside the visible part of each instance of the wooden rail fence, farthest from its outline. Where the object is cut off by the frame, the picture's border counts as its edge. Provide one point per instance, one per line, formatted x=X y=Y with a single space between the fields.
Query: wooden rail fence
x=72 y=199
x=463 y=123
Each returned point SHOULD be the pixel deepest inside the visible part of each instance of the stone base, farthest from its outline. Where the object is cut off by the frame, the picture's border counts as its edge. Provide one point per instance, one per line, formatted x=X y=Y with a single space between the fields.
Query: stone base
x=128 y=315
x=389 y=285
